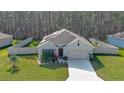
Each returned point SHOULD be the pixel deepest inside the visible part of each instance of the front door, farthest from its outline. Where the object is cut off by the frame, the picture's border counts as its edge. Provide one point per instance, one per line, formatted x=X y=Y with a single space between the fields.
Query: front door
x=60 y=52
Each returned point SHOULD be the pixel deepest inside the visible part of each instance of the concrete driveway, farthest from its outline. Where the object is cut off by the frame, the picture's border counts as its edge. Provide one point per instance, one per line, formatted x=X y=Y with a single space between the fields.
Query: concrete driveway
x=81 y=70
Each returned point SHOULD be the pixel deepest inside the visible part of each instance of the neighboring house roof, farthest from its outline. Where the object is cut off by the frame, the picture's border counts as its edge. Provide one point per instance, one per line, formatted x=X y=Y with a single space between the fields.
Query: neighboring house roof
x=63 y=37
x=119 y=35
x=4 y=36
x=98 y=43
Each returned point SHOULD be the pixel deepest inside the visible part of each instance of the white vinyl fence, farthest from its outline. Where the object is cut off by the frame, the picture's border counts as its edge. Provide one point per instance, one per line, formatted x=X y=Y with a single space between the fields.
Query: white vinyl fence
x=103 y=48
x=25 y=50
x=18 y=49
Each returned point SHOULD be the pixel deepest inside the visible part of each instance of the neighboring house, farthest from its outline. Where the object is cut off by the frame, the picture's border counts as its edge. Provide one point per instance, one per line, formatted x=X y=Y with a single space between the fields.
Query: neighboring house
x=5 y=39
x=102 y=47
x=116 y=39
x=66 y=43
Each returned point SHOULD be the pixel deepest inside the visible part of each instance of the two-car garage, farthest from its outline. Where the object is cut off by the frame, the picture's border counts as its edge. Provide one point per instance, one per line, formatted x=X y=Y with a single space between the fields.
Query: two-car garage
x=78 y=50
x=78 y=54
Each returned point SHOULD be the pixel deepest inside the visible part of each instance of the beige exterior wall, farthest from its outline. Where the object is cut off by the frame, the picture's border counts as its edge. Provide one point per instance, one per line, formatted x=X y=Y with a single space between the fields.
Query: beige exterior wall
x=46 y=45
x=73 y=51
x=78 y=54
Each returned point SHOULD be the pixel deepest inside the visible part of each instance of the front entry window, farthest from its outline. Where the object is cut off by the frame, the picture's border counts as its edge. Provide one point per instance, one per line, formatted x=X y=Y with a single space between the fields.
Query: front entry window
x=47 y=54
x=60 y=52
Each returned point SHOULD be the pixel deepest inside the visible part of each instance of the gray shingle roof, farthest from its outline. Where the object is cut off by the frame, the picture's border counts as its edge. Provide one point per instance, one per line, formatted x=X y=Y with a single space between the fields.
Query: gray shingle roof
x=63 y=37
x=119 y=35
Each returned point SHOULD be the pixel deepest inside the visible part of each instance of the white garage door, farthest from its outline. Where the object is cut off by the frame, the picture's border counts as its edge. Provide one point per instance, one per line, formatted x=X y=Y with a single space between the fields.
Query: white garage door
x=78 y=54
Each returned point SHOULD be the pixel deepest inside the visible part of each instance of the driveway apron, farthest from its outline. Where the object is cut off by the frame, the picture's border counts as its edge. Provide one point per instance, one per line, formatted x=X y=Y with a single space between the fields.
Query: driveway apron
x=81 y=70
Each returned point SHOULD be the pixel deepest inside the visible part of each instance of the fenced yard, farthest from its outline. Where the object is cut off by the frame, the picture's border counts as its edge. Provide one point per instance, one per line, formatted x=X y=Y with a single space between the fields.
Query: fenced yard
x=29 y=70
x=21 y=51
x=24 y=42
x=19 y=48
x=103 y=48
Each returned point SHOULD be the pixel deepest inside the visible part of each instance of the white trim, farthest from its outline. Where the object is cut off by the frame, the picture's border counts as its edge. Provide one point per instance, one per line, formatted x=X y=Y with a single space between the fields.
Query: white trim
x=45 y=43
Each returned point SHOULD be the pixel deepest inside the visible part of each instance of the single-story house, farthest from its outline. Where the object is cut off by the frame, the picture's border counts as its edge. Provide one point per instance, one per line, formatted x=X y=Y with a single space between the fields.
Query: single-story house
x=5 y=39
x=66 y=43
x=116 y=39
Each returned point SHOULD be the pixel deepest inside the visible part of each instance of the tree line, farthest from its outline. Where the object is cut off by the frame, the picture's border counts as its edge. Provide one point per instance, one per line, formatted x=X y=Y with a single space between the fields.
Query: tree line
x=96 y=24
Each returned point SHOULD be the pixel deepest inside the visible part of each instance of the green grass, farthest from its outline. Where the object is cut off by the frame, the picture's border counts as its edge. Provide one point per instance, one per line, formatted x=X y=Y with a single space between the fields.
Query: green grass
x=109 y=67
x=3 y=52
x=34 y=43
x=121 y=52
x=15 y=42
x=29 y=69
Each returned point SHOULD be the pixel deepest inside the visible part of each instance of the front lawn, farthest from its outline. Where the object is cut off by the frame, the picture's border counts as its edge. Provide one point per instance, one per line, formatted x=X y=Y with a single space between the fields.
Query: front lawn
x=109 y=67
x=30 y=70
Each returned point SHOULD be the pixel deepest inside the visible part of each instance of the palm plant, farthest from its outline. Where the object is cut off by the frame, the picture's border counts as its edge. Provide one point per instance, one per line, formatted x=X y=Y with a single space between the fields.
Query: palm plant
x=13 y=60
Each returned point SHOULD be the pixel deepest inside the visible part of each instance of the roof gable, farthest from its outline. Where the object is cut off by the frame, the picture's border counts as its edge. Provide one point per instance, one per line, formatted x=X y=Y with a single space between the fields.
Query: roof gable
x=61 y=38
x=79 y=44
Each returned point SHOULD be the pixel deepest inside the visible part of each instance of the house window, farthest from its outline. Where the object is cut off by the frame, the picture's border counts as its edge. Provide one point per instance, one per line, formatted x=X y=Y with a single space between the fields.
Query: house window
x=47 y=54
x=48 y=50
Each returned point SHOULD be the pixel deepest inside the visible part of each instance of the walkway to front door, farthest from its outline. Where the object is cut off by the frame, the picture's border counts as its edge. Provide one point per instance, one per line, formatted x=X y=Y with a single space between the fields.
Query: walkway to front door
x=81 y=70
